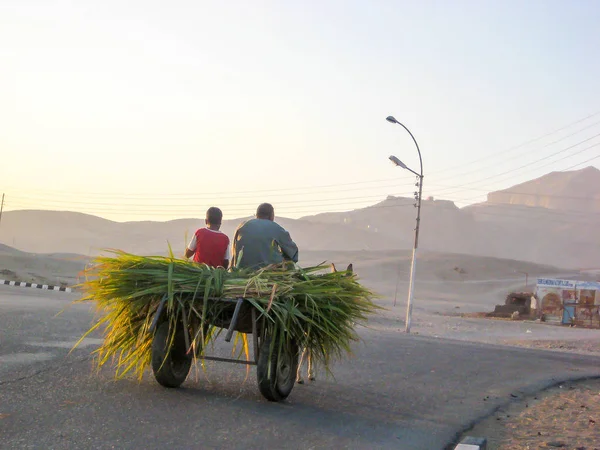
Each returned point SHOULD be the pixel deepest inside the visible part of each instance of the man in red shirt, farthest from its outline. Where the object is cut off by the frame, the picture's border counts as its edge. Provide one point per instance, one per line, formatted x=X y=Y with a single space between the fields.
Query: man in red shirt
x=209 y=245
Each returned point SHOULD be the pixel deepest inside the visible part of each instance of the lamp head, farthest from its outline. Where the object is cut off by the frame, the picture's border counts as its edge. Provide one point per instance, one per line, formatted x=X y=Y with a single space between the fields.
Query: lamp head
x=397 y=162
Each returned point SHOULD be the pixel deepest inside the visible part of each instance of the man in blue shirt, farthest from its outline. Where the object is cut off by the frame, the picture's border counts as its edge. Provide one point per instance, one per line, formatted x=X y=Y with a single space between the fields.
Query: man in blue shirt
x=260 y=242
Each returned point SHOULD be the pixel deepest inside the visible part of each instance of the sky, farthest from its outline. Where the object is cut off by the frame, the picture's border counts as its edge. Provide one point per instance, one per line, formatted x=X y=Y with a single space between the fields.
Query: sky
x=146 y=110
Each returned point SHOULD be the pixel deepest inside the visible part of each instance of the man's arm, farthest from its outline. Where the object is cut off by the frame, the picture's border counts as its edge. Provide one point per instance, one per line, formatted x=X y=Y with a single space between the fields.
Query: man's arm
x=226 y=257
x=289 y=249
x=235 y=252
x=191 y=248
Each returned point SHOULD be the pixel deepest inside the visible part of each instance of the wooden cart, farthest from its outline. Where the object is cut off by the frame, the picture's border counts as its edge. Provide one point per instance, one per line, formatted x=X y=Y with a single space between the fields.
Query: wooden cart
x=172 y=359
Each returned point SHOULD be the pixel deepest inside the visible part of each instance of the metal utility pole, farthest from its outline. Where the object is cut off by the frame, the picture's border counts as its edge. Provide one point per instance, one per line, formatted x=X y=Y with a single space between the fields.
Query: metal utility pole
x=526 y=277
x=418 y=196
x=1 y=207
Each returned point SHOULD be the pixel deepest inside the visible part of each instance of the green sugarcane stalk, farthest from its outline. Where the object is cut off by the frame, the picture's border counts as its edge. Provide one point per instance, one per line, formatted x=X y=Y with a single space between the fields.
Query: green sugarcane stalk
x=317 y=310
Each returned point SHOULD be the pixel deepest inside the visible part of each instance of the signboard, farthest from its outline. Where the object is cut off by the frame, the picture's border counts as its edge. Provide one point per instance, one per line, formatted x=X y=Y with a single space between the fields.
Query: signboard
x=568 y=284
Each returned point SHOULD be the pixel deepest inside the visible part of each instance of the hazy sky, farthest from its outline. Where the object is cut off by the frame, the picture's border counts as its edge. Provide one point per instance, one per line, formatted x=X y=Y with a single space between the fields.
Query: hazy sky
x=156 y=110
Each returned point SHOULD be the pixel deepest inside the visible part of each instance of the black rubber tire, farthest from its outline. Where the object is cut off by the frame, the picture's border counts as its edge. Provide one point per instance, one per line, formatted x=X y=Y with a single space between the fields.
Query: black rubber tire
x=170 y=368
x=279 y=385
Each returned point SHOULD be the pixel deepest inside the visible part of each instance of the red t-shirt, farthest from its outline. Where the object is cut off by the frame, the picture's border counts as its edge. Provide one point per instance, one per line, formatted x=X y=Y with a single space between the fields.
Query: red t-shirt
x=210 y=247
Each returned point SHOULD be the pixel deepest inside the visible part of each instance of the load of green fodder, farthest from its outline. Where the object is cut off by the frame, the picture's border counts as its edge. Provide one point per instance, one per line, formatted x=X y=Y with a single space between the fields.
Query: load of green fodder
x=316 y=308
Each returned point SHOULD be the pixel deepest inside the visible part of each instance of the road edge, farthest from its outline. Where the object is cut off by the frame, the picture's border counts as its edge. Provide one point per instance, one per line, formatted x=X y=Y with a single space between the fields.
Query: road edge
x=532 y=390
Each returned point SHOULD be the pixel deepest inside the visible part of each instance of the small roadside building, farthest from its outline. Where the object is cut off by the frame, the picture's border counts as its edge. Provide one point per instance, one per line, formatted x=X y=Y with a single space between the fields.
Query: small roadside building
x=569 y=301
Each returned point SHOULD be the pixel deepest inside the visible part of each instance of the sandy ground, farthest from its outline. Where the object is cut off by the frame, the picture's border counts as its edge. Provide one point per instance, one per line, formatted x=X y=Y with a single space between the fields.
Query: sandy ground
x=566 y=416
x=45 y=269
x=579 y=346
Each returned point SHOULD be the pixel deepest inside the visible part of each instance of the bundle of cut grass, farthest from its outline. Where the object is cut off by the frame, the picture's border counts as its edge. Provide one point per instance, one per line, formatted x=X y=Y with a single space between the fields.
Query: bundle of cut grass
x=314 y=308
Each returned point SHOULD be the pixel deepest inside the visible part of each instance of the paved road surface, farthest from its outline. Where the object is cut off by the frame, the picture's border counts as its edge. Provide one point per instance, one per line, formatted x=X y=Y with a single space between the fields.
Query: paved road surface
x=400 y=392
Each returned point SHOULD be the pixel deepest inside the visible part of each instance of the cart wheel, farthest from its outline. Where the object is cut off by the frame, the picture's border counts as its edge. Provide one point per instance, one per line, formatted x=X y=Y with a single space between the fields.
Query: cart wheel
x=280 y=383
x=170 y=368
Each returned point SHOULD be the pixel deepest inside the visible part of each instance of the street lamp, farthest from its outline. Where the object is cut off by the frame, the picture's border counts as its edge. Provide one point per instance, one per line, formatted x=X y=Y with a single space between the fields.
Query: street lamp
x=397 y=162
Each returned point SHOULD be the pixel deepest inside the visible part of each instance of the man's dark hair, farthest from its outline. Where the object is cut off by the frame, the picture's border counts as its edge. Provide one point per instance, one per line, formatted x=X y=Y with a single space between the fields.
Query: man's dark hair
x=214 y=216
x=265 y=211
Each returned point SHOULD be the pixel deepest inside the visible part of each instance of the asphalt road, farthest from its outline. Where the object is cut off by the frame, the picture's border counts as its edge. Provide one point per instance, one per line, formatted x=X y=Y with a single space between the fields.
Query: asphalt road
x=399 y=392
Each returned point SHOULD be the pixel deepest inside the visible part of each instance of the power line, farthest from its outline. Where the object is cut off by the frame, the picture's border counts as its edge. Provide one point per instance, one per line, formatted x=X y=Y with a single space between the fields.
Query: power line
x=211 y=197
x=531 y=163
x=539 y=209
x=552 y=220
x=534 y=216
x=584 y=162
x=137 y=212
x=509 y=191
x=312 y=204
x=457 y=188
x=301 y=189
x=516 y=147
x=567 y=156
x=547 y=164
x=312 y=210
x=179 y=207
x=287 y=192
x=306 y=190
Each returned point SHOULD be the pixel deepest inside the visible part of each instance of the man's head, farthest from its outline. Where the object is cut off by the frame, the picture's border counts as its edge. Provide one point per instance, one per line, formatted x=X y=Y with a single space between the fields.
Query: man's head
x=214 y=216
x=265 y=211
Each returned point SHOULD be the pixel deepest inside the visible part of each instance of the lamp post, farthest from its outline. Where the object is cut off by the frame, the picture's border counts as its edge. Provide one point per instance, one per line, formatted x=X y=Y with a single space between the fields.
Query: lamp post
x=397 y=162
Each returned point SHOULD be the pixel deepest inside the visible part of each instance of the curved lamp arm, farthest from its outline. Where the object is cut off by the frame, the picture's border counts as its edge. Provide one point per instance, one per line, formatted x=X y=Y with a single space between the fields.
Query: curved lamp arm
x=391 y=119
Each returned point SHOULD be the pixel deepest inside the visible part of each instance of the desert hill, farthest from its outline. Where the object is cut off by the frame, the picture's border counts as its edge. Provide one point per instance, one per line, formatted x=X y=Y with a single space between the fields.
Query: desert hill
x=554 y=218
x=71 y=232
x=443 y=224
x=7 y=250
x=577 y=190
x=562 y=237
x=508 y=228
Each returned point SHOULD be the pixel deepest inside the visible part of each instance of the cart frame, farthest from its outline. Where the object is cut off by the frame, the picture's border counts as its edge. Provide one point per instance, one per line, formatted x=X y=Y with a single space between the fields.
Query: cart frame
x=275 y=378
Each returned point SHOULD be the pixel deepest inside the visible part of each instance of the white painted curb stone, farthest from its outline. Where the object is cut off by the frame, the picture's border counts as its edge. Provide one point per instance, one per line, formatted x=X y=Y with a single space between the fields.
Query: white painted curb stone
x=35 y=285
x=472 y=443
